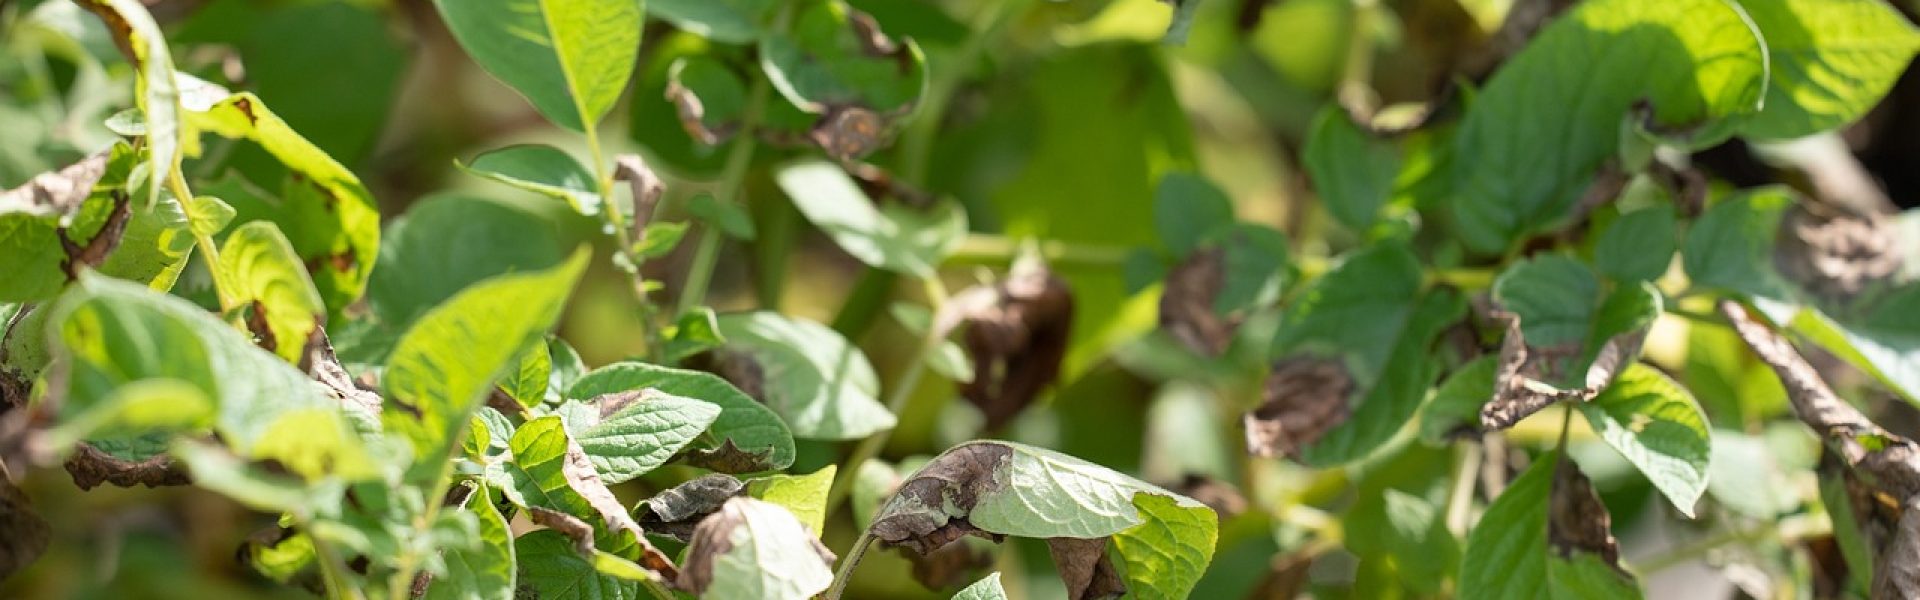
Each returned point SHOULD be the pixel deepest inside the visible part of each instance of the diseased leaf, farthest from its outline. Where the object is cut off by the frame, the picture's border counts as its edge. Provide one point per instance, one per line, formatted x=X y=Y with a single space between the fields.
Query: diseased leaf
x=818 y=382
x=550 y=472
x=81 y=216
x=709 y=98
x=27 y=533
x=1016 y=333
x=1696 y=64
x=677 y=510
x=446 y=363
x=803 y=495
x=744 y=426
x=570 y=58
x=540 y=169
x=1455 y=407
x=835 y=62
x=552 y=568
x=326 y=212
x=895 y=237
x=1508 y=553
x=628 y=434
x=1302 y=398
x=1659 y=428
x=156 y=92
x=259 y=265
x=754 y=550
x=1829 y=62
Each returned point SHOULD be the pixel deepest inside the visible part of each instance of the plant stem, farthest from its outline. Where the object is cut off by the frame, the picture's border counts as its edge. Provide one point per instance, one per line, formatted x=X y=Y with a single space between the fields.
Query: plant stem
x=1460 y=499
x=897 y=400
x=988 y=248
x=732 y=179
x=177 y=183
x=844 y=574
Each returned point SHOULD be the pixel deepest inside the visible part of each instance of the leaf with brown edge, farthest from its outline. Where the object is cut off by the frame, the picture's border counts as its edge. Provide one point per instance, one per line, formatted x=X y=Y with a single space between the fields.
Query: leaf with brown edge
x=90 y=467
x=728 y=458
x=1016 y=332
x=677 y=510
x=993 y=489
x=1085 y=569
x=1303 y=397
x=24 y=535
x=836 y=62
x=550 y=471
x=1576 y=520
x=951 y=565
x=1835 y=255
x=1523 y=374
x=752 y=550
x=59 y=193
x=1186 y=303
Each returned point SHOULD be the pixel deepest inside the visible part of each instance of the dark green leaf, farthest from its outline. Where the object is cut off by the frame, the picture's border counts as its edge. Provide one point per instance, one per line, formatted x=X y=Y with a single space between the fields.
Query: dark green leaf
x=1353 y=170
x=1639 y=245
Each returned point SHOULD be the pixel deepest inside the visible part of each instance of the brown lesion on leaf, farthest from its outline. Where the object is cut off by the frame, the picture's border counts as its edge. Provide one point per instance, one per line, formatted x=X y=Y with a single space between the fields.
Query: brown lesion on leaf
x=581 y=477
x=738 y=367
x=1524 y=382
x=676 y=511
x=317 y=360
x=849 y=132
x=1186 y=303
x=262 y=331
x=1221 y=496
x=953 y=565
x=59 y=192
x=921 y=515
x=880 y=184
x=90 y=467
x=568 y=525
x=1303 y=398
x=1085 y=569
x=1016 y=333
x=713 y=538
x=245 y=106
x=728 y=457
x=1834 y=254
x=103 y=243
x=1576 y=519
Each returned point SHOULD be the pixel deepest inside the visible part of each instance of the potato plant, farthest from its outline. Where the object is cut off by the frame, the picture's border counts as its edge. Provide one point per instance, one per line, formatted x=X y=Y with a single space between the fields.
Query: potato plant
x=732 y=298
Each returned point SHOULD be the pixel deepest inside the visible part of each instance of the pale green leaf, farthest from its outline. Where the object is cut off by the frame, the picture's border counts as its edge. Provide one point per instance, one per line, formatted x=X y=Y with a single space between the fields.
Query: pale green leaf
x=755 y=550
x=138 y=408
x=1832 y=61
x=987 y=588
x=156 y=92
x=804 y=495
x=745 y=422
x=894 y=237
x=1166 y=555
x=817 y=381
x=215 y=469
x=628 y=435
x=1551 y=116
x=570 y=58
x=540 y=169
x=446 y=363
x=1657 y=426
x=527 y=382
x=259 y=265
x=210 y=215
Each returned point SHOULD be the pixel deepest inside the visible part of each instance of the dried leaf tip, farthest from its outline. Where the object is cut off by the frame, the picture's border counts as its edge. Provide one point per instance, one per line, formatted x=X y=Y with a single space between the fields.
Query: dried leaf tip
x=1304 y=398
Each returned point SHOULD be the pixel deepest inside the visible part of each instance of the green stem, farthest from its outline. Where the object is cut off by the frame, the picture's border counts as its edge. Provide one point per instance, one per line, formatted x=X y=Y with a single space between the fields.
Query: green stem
x=863 y=306
x=1460 y=499
x=333 y=570
x=844 y=574
x=177 y=183
x=732 y=180
x=988 y=248
x=897 y=401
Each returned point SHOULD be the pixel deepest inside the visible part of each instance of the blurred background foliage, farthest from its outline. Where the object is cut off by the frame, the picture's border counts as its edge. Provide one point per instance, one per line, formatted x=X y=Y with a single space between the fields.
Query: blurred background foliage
x=1055 y=122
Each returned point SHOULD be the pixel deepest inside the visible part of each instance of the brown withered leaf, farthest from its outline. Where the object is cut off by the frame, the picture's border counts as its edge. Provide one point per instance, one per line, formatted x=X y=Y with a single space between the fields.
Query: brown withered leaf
x=1833 y=254
x=951 y=566
x=646 y=187
x=771 y=525
x=1520 y=382
x=568 y=525
x=320 y=363
x=848 y=133
x=1896 y=571
x=1225 y=500
x=728 y=458
x=1186 y=303
x=1016 y=333
x=955 y=479
x=585 y=481
x=677 y=510
x=23 y=533
x=1286 y=578
x=693 y=114
x=1576 y=520
x=57 y=193
x=737 y=367
x=90 y=467
x=1303 y=398
x=103 y=242
x=1085 y=569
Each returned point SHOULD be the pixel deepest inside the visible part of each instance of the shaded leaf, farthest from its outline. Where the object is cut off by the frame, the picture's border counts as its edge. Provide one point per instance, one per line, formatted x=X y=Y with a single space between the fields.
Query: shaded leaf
x=570 y=58
x=540 y=169
x=1639 y=245
x=834 y=58
x=1508 y=554
x=1352 y=169
x=894 y=237
x=485 y=571
x=552 y=568
x=1186 y=208
x=727 y=21
x=818 y=382
x=443 y=244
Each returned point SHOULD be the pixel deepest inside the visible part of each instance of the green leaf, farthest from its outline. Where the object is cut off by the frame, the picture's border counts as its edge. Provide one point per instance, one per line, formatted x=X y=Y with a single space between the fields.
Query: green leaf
x=628 y=434
x=754 y=550
x=660 y=238
x=1849 y=532
x=210 y=215
x=1639 y=245
x=215 y=469
x=1551 y=115
x=550 y=565
x=894 y=237
x=1731 y=245
x=1353 y=170
x=156 y=92
x=987 y=588
x=726 y=216
x=326 y=212
x=1186 y=208
x=259 y=265
x=1165 y=539
x=485 y=571
x=1658 y=427
x=138 y=408
x=821 y=62
x=743 y=421
x=540 y=169
x=725 y=21
x=1256 y=267
x=541 y=475
x=817 y=381
x=948 y=359
x=446 y=243
x=1555 y=297
x=1165 y=556
x=1508 y=556
x=1831 y=61
x=570 y=58
x=1456 y=403
x=446 y=363
x=696 y=331
x=1369 y=311
x=804 y=495
x=527 y=382
x=152 y=247
x=109 y=329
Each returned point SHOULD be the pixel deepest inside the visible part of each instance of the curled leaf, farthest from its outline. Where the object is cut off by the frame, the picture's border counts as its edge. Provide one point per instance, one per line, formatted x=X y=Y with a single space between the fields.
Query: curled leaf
x=951 y=565
x=836 y=62
x=59 y=193
x=751 y=549
x=89 y=466
x=1016 y=333
x=1521 y=378
x=1576 y=520
x=677 y=510
x=1085 y=569
x=1304 y=397
x=1186 y=304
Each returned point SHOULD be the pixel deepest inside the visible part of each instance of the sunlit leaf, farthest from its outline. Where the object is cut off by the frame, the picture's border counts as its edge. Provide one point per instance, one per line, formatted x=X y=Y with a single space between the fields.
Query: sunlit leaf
x=570 y=58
